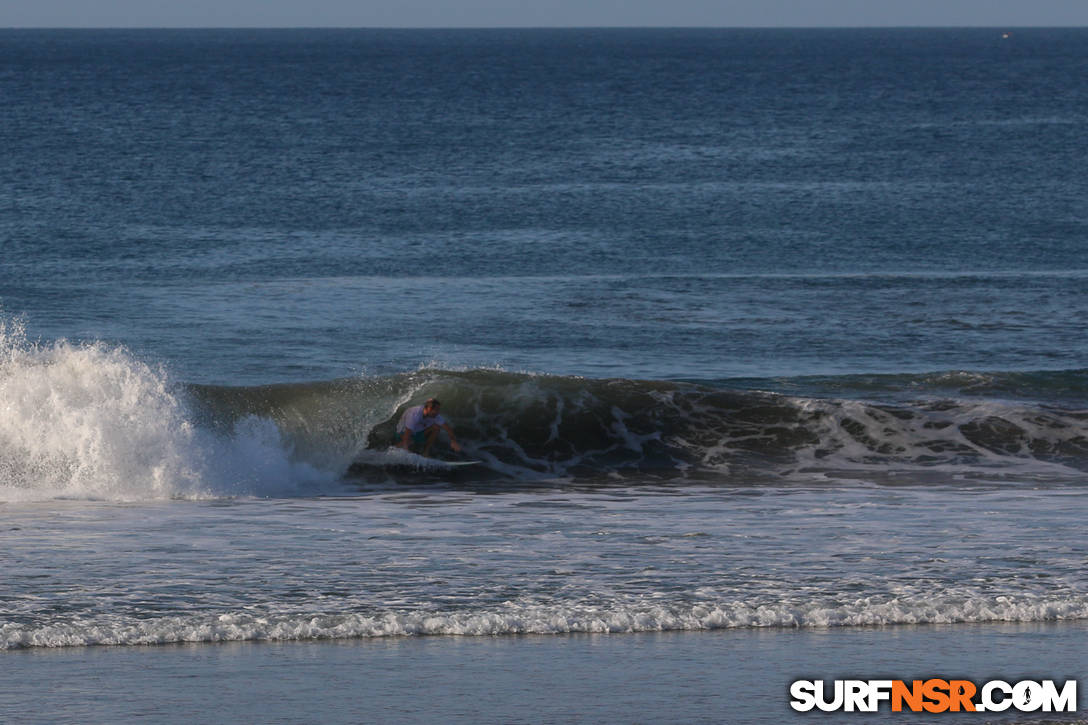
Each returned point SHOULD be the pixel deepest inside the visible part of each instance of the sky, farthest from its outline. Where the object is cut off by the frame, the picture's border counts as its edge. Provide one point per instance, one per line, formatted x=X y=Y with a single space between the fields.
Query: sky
x=539 y=13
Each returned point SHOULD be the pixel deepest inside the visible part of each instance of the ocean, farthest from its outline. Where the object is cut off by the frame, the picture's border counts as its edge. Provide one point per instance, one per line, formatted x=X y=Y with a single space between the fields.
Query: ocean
x=770 y=345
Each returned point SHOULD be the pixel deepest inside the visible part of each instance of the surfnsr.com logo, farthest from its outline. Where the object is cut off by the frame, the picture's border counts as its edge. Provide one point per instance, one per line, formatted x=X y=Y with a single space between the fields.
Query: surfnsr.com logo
x=933 y=695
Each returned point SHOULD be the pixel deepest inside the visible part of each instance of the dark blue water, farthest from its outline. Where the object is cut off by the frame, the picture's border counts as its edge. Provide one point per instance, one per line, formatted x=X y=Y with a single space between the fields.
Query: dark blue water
x=261 y=206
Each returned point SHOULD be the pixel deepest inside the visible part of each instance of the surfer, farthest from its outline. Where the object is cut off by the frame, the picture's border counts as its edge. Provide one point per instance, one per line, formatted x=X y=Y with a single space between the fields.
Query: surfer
x=420 y=425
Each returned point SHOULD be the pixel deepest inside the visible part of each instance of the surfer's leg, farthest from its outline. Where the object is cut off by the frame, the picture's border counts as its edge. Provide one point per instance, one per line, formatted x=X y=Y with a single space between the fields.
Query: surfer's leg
x=432 y=434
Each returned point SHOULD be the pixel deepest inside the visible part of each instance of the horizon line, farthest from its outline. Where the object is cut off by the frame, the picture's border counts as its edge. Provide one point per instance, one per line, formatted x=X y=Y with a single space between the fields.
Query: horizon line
x=545 y=27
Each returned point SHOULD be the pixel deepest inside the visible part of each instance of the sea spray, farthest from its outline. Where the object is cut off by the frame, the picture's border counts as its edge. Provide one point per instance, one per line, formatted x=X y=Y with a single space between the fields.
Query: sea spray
x=90 y=420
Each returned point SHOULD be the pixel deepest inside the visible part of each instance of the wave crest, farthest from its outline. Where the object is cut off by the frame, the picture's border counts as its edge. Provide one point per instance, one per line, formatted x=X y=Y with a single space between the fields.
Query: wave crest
x=538 y=619
x=92 y=421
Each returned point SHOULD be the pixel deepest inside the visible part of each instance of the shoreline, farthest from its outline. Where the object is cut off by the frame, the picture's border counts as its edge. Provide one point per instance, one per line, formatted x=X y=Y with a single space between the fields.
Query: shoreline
x=738 y=676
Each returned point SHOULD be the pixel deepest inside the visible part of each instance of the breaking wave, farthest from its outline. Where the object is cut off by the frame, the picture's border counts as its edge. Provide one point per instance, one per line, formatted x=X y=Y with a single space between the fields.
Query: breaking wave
x=569 y=426
x=90 y=421
x=532 y=427
x=93 y=421
x=515 y=618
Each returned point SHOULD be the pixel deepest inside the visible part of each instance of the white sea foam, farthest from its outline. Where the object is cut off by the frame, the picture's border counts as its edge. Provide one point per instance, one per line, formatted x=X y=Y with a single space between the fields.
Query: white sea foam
x=855 y=435
x=515 y=619
x=92 y=421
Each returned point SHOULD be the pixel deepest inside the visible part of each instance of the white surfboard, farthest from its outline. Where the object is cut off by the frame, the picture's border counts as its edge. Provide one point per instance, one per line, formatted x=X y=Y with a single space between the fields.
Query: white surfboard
x=396 y=458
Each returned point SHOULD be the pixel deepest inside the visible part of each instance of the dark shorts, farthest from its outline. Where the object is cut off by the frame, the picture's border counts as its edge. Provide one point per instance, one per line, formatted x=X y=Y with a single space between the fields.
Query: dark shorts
x=419 y=437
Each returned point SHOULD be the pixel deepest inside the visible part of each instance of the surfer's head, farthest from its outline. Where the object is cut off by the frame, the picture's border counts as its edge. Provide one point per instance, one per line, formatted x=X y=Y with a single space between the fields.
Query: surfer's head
x=431 y=406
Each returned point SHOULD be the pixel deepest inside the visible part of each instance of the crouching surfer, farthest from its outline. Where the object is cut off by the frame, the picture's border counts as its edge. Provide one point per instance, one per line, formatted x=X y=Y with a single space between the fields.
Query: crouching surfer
x=420 y=425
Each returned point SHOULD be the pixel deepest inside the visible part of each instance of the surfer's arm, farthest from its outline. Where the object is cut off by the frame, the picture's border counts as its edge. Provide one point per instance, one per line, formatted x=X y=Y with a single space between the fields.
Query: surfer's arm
x=405 y=439
x=453 y=439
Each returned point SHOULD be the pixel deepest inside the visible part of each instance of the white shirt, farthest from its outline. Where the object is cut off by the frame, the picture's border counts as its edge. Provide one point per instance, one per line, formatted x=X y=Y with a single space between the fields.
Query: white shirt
x=414 y=420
